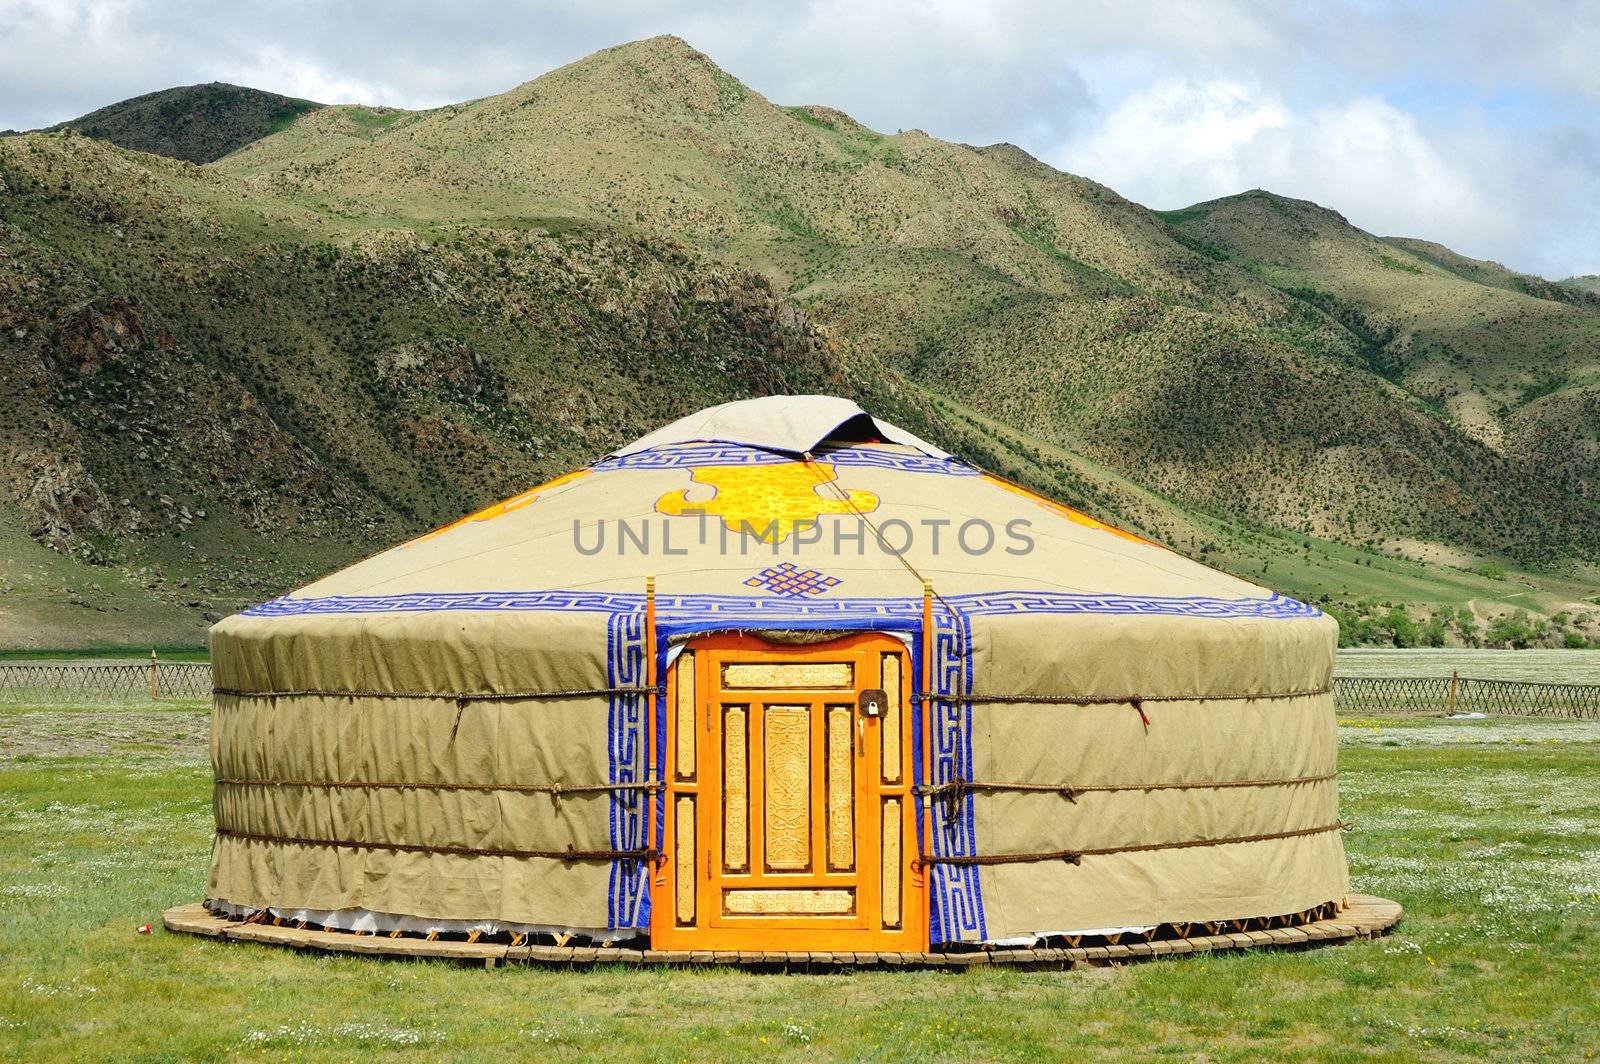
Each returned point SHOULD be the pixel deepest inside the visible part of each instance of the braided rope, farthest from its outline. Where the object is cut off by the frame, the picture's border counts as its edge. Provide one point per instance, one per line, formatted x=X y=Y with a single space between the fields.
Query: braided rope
x=1076 y=856
x=555 y=790
x=568 y=854
x=957 y=789
x=1113 y=700
x=453 y=696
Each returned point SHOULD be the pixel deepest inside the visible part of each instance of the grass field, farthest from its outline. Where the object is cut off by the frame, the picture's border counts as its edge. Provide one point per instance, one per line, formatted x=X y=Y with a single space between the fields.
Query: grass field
x=103 y=655
x=1485 y=831
x=1540 y=666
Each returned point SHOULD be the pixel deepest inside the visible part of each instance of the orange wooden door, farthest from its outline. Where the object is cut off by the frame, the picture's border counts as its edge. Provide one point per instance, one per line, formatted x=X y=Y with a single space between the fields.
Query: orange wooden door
x=789 y=815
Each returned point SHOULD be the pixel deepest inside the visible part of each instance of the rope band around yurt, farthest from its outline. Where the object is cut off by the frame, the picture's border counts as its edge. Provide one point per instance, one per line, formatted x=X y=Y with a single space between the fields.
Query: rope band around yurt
x=1076 y=856
x=451 y=696
x=1113 y=700
x=554 y=790
x=957 y=789
x=569 y=854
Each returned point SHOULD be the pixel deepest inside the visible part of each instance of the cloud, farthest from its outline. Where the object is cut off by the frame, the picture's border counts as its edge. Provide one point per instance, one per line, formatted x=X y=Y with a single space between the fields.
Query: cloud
x=1178 y=141
x=1161 y=143
x=297 y=75
x=1471 y=123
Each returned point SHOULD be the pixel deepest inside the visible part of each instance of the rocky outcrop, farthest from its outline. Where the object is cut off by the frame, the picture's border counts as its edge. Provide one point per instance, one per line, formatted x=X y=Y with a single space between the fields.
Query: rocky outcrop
x=445 y=362
x=65 y=508
x=100 y=331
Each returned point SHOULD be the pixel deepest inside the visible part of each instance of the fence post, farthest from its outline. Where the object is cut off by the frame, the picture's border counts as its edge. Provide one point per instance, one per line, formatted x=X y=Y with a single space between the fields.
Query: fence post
x=1454 y=679
x=154 y=687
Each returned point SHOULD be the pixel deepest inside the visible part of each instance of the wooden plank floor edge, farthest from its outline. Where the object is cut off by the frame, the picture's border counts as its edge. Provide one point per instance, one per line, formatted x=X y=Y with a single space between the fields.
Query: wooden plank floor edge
x=1364 y=917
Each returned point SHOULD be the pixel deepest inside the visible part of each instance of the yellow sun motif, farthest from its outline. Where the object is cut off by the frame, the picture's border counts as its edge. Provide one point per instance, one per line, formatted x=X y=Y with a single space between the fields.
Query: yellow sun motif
x=769 y=502
x=504 y=506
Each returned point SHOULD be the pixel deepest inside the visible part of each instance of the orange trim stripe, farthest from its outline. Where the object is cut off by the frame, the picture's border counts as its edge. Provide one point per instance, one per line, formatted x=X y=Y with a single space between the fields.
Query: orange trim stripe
x=504 y=506
x=1077 y=517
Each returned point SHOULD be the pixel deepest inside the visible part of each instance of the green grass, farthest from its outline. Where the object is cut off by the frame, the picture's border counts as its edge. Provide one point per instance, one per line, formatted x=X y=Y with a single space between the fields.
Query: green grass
x=1488 y=845
x=1391 y=263
x=49 y=599
x=165 y=651
x=808 y=118
x=291 y=111
x=1539 y=666
x=1184 y=215
x=369 y=118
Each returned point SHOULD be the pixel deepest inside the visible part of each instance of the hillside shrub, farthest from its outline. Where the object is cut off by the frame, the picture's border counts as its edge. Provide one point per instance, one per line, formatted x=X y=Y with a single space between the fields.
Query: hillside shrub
x=1391 y=263
x=1516 y=630
x=1401 y=629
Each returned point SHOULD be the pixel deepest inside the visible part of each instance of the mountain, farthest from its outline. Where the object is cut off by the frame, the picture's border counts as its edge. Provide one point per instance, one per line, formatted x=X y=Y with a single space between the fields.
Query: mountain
x=1492 y=274
x=1589 y=283
x=1510 y=360
x=199 y=123
x=218 y=380
x=200 y=382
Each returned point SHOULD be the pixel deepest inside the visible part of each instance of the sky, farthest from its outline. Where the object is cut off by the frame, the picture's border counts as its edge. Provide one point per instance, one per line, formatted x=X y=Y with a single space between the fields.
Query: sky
x=1473 y=124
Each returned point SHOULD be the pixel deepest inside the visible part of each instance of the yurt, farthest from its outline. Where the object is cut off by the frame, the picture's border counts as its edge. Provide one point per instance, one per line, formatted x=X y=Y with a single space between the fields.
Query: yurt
x=778 y=676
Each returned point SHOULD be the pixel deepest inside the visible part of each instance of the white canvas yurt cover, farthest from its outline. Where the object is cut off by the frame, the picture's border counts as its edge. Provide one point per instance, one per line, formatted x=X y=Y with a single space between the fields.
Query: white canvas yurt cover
x=777 y=673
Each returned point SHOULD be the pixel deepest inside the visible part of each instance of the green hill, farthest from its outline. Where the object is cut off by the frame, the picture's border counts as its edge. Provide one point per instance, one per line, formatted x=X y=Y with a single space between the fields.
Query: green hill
x=374 y=320
x=1510 y=360
x=1492 y=274
x=198 y=123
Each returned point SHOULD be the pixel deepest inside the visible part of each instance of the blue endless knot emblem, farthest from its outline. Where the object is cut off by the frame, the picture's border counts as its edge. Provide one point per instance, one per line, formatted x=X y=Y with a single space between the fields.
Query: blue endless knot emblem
x=785 y=579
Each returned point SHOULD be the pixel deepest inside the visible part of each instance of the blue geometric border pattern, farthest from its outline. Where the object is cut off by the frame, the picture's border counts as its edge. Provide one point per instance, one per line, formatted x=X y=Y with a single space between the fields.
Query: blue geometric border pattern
x=957 y=901
x=754 y=608
x=724 y=454
x=627 y=897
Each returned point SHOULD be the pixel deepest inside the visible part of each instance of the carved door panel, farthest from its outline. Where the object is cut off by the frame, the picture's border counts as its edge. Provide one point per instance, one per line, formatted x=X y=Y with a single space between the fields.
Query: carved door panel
x=790 y=823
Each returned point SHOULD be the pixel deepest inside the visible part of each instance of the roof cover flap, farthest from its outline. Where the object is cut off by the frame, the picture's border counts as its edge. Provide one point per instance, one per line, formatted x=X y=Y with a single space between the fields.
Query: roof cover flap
x=792 y=424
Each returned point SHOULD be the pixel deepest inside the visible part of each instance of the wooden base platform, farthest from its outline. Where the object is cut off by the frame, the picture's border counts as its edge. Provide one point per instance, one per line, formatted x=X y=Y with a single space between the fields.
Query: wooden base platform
x=1365 y=917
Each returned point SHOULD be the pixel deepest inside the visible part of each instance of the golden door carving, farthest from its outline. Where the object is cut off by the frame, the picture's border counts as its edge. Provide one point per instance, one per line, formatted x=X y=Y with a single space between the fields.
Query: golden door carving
x=779 y=675
x=735 y=792
x=684 y=844
x=841 y=788
x=790 y=901
x=684 y=746
x=787 y=770
x=891 y=862
x=890 y=680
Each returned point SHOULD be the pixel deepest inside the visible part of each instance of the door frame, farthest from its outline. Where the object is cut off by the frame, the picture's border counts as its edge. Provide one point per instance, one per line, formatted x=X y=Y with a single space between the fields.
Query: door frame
x=668 y=930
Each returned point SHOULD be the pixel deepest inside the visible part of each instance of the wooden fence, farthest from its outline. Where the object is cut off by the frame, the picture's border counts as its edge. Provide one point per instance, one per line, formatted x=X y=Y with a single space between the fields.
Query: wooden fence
x=135 y=681
x=1363 y=695
x=1354 y=696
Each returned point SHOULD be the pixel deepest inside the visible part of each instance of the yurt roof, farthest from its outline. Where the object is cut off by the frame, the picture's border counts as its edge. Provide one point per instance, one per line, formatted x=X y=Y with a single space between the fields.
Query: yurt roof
x=689 y=487
x=789 y=424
